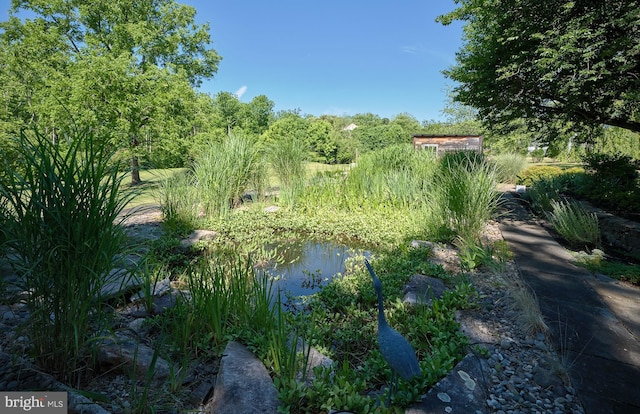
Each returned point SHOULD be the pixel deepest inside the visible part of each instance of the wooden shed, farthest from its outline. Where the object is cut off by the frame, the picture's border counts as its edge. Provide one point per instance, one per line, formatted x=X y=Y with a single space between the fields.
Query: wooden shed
x=444 y=143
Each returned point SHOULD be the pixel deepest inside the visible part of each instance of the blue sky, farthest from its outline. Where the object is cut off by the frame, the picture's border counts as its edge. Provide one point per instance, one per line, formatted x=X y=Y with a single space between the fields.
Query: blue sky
x=338 y=57
x=334 y=57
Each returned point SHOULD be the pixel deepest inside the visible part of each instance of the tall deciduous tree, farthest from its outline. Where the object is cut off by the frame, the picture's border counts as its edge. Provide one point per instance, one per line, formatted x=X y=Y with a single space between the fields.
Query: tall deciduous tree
x=116 y=66
x=554 y=61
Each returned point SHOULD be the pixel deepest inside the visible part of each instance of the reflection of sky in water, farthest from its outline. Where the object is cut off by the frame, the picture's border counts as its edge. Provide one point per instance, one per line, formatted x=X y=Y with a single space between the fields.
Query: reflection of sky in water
x=308 y=265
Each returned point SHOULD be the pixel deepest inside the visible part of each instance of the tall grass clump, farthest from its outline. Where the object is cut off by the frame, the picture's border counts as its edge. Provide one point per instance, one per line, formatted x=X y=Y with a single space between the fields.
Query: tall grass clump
x=574 y=223
x=509 y=165
x=178 y=197
x=463 y=197
x=59 y=211
x=543 y=192
x=396 y=175
x=227 y=169
x=287 y=157
x=226 y=299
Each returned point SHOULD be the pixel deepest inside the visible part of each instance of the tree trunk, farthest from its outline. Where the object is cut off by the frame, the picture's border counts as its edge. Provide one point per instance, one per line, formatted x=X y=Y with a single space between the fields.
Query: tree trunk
x=135 y=171
x=134 y=163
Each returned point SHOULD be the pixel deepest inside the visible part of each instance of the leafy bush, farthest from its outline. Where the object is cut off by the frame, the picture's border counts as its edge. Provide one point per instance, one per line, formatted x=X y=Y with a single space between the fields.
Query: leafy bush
x=617 y=171
x=537 y=172
x=537 y=155
x=612 y=183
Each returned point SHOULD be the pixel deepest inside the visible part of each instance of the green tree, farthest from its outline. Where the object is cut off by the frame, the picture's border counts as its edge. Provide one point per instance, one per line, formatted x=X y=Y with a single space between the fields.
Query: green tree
x=409 y=124
x=321 y=140
x=121 y=68
x=227 y=111
x=555 y=62
x=258 y=114
x=380 y=136
x=290 y=125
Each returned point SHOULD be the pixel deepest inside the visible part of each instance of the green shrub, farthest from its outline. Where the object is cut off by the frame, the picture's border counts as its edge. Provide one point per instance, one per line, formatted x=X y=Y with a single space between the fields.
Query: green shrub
x=537 y=155
x=574 y=223
x=59 y=216
x=543 y=192
x=613 y=171
x=612 y=182
x=537 y=172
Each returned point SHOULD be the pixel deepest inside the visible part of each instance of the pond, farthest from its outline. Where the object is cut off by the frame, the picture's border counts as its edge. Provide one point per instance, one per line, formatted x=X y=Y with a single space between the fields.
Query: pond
x=307 y=265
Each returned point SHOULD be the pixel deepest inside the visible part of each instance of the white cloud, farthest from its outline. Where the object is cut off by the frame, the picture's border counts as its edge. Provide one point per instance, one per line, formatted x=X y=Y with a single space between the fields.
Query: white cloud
x=412 y=49
x=241 y=91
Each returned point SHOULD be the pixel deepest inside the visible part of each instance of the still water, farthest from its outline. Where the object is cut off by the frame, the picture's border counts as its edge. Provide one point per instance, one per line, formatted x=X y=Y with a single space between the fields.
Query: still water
x=308 y=265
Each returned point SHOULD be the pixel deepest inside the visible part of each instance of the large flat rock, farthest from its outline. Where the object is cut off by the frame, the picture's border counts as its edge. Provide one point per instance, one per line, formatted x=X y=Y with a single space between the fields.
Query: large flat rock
x=243 y=385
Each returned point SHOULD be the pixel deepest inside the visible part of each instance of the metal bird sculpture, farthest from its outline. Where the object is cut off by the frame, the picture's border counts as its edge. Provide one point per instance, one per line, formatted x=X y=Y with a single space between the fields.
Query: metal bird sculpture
x=395 y=349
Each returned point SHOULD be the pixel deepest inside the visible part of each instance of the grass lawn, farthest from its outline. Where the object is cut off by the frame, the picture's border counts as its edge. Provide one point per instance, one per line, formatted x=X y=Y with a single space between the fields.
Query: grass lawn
x=151 y=179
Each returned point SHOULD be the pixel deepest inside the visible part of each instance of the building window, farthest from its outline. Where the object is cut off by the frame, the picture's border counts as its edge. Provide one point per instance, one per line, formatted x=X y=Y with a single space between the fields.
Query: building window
x=430 y=147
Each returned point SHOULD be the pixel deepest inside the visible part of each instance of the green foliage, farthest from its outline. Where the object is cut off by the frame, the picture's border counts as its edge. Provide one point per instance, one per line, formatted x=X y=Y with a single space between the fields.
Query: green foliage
x=224 y=171
x=125 y=71
x=618 y=141
x=321 y=140
x=535 y=173
x=509 y=165
x=226 y=300
x=380 y=136
x=395 y=176
x=615 y=170
x=537 y=155
x=611 y=182
x=344 y=313
x=463 y=196
x=596 y=263
x=286 y=156
x=574 y=223
x=179 y=200
x=543 y=193
x=58 y=214
x=288 y=127
x=525 y=59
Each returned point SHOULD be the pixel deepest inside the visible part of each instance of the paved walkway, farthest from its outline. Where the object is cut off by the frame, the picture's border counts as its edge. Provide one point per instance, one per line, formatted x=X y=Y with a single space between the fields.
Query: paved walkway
x=594 y=321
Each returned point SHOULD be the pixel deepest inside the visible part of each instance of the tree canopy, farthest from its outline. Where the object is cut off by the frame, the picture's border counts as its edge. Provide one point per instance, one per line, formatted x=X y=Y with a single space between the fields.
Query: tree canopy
x=556 y=61
x=126 y=70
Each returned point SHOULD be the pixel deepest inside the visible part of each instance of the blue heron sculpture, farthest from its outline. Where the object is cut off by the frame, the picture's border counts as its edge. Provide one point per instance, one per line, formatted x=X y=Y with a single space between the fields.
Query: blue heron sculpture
x=395 y=349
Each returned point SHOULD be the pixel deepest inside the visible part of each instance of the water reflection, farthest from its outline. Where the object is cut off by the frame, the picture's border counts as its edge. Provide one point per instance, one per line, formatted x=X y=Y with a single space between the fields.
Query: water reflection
x=306 y=266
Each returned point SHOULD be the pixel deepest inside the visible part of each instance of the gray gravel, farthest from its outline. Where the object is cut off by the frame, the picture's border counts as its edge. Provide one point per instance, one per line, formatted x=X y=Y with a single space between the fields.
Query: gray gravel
x=525 y=374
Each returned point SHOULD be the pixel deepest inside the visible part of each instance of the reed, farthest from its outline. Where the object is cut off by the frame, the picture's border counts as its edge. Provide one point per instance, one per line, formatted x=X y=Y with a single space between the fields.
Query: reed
x=509 y=165
x=225 y=170
x=287 y=157
x=60 y=214
x=463 y=196
x=179 y=200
